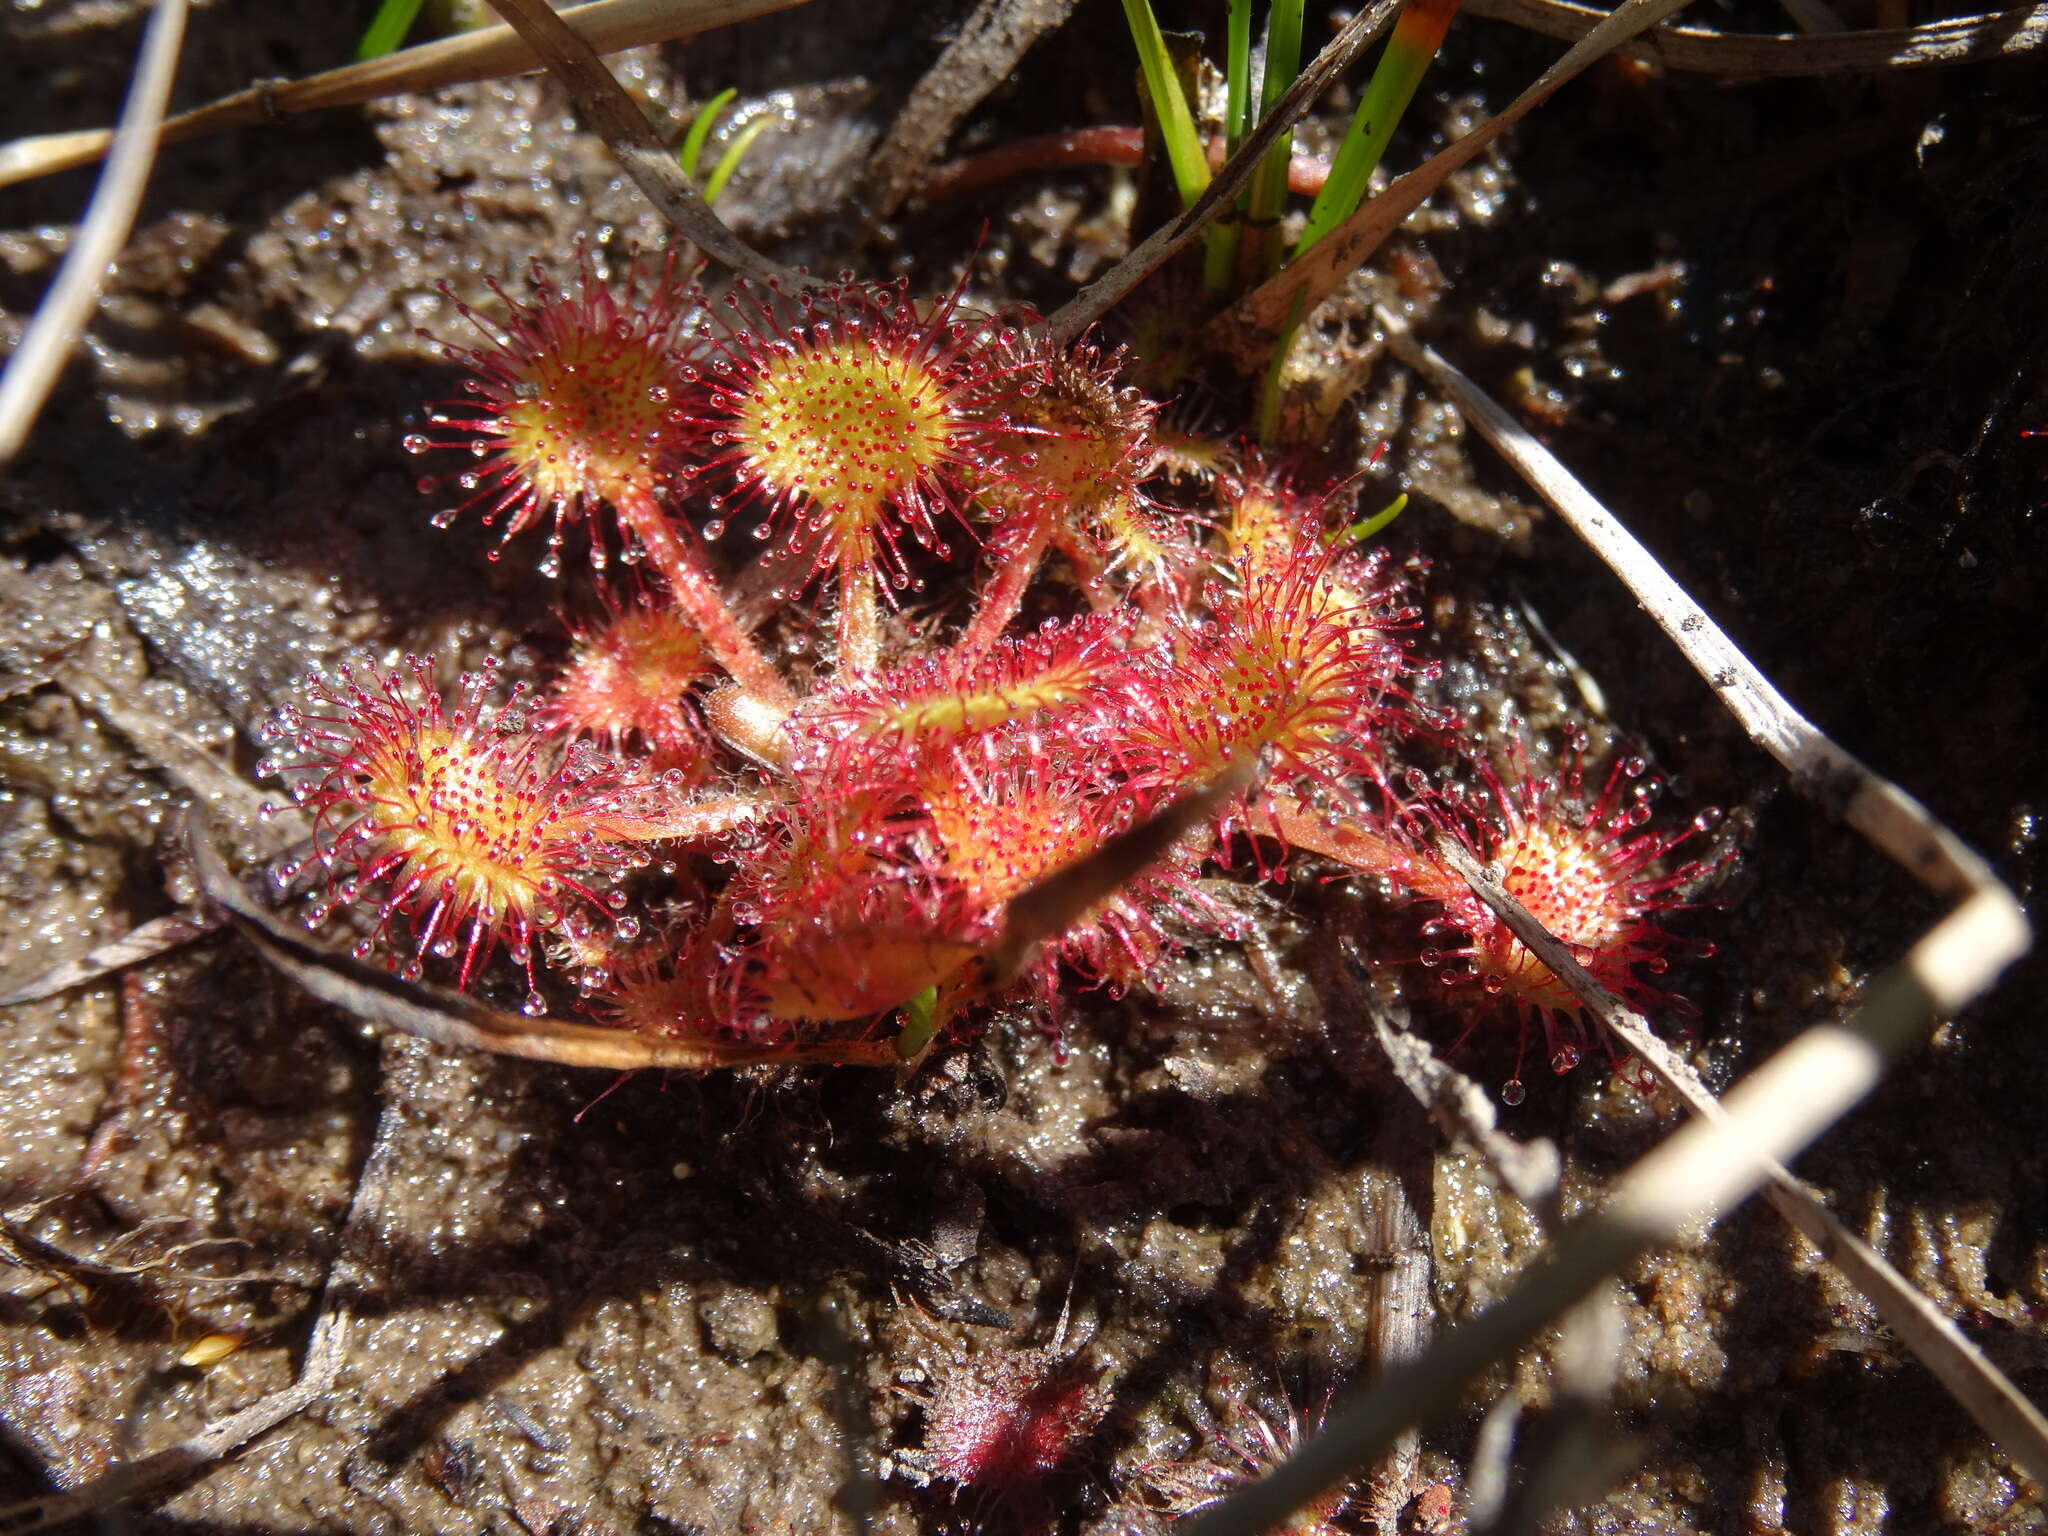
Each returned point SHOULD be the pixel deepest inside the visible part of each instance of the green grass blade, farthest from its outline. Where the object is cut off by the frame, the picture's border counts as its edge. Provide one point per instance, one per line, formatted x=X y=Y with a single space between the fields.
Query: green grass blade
x=1177 y=127
x=1366 y=527
x=1417 y=36
x=1267 y=199
x=1276 y=372
x=1237 y=74
x=700 y=130
x=730 y=160
x=1182 y=136
x=387 y=29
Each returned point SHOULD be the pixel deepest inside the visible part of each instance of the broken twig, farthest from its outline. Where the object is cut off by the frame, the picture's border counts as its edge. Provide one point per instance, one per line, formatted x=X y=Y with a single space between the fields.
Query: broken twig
x=608 y=25
x=616 y=118
x=60 y=319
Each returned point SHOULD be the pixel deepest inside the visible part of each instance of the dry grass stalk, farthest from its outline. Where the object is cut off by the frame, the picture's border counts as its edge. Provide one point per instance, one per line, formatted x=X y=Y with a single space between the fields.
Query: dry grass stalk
x=616 y=118
x=607 y=25
x=1704 y=1169
x=1895 y=823
x=61 y=318
x=1464 y=1111
x=1953 y=40
x=1739 y=1147
x=1992 y=1400
x=1986 y=929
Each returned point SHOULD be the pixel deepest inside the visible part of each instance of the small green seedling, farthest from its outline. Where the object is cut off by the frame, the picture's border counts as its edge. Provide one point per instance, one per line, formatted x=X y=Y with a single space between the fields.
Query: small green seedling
x=691 y=150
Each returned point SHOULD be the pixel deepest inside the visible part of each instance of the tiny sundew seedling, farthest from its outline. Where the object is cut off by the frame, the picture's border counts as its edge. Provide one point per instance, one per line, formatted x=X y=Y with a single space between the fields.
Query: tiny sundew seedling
x=1251 y=1439
x=1000 y=1421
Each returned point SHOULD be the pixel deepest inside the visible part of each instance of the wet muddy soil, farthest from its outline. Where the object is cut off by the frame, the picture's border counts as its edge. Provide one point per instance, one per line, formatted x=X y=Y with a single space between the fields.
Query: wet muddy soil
x=1791 y=331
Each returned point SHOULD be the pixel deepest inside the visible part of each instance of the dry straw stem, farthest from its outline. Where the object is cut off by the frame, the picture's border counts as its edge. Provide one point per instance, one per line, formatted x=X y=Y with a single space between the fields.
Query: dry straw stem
x=61 y=317
x=1579 y=1452
x=144 y=942
x=607 y=25
x=1956 y=40
x=1532 y=1173
x=611 y=25
x=1702 y=1170
x=1102 y=295
x=1722 y=1156
x=1892 y=821
x=187 y=763
x=616 y=118
x=1058 y=901
x=453 y=1019
x=1997 y=1406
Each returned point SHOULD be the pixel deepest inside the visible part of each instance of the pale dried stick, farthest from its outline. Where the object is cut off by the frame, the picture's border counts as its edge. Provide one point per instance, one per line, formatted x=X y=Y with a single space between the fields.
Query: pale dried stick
x=1578 y=1446
x=1464 y=1112
x=60 y=319
x=1491 y=1464
x=1719 y=1158
x=186 y=762
x=608 y=25
x=615 y=117
x=143 y=942
x=1953 y=40
x=1984 y=1392
x=1575 y=1452
x=325 y=1353
x=1702 y=1170
x=1891 y=819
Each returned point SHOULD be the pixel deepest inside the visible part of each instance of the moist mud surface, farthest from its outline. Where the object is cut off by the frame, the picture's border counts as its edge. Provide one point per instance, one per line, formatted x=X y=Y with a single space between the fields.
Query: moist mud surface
x=1789 y=331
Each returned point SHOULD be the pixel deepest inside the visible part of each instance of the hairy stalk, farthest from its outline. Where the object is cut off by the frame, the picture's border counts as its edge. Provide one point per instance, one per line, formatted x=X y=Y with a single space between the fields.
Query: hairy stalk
x=1004 y=594
x=697 y=593
x=860 y=617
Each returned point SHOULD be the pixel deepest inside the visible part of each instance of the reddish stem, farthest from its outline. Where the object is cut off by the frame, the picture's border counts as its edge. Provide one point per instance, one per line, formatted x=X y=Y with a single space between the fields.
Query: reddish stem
x=697 y=593
x=1004 y=594
x=1349 y=843
x=1082 y=146
x=860 y=617
x=693 y=822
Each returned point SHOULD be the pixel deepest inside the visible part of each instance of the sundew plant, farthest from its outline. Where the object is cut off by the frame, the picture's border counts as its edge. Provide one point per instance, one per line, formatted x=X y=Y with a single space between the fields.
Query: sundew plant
x=850 y=806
